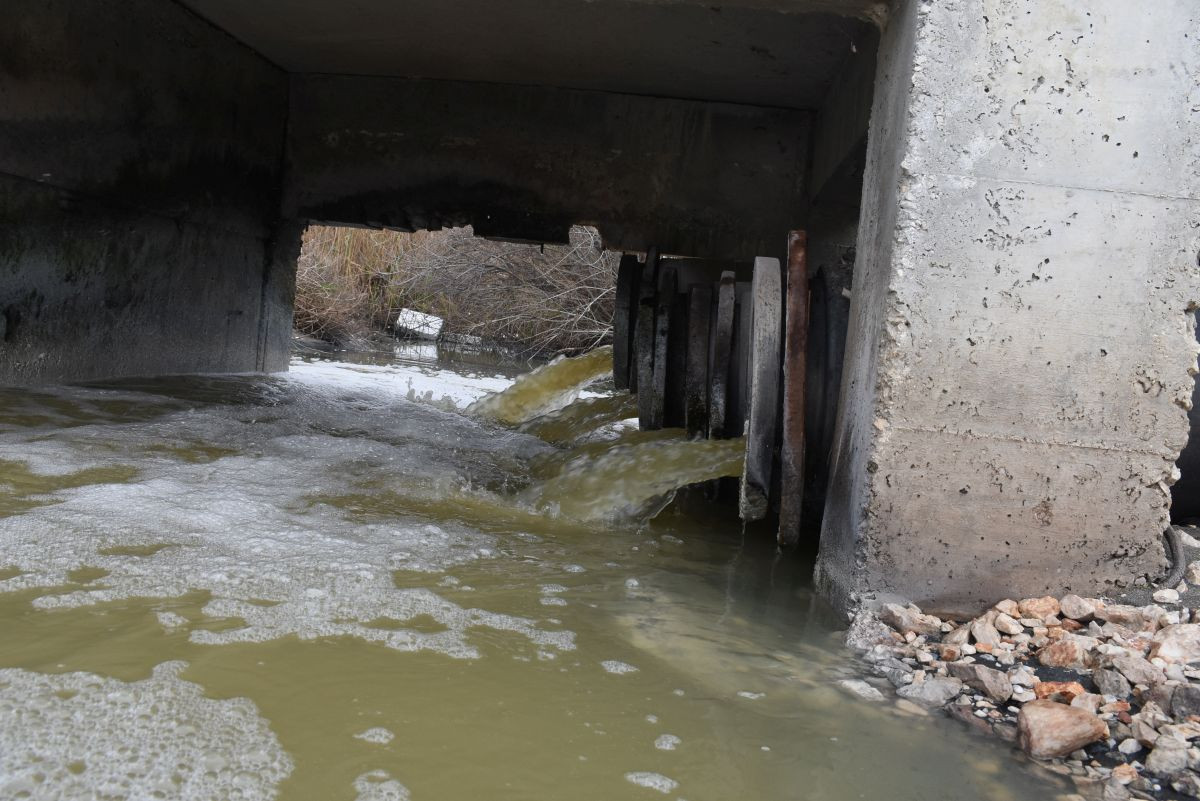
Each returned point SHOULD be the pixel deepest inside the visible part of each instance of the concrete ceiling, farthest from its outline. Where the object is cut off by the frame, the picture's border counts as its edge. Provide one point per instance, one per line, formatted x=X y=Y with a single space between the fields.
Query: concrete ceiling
x=760 y=52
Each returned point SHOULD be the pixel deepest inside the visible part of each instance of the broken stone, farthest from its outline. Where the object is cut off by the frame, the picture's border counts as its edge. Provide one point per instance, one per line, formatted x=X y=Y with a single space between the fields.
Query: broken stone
x=1185 y=701
x=959 y=636
x=1077 y=608
x=1187 y=784
x=867 y=631
x=1023 y=675
x=932 y=692
x=1046 y=730
x=1144 y=725
x=1008 y=607
x=984 y=632
x=1125 y=773
x=1169 y=756
x=1166 y=596
x=1119 y=613
x=1138 y=670
x=1129 y=746
x=1069 y=651
x=1062 y=691
x=1181 y=731
x=948 y=652
x=1043 y=608
x=905 y=619
x=1178 y=643
x=1006 y=625
x=1089 y=701
x=1192 y=574
x=1111 y=682
x=989 y=681
x=860 y=689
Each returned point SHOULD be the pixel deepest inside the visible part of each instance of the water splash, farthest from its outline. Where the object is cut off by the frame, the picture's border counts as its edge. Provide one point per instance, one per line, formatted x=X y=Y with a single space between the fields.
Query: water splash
x=545 y=389
x=633 y=480
x=581 y=418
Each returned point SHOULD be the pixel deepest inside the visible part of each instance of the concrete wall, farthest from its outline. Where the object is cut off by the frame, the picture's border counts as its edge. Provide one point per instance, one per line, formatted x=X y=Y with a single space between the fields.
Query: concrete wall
x=140 y=159
x=693 y=178
x=1018 y=371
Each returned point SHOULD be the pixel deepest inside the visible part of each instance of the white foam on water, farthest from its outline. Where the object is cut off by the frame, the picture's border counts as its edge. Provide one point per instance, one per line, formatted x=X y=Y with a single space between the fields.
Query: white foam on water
x=667 y=742
x=378 y=785
x=249 y=529
x=81 y=736
x=651 y=781
x=617 y=668
x=442 y=388
x=376 y=735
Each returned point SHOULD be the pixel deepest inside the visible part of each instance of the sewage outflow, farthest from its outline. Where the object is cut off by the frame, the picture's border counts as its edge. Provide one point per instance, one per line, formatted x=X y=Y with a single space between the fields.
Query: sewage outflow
x=381 y=582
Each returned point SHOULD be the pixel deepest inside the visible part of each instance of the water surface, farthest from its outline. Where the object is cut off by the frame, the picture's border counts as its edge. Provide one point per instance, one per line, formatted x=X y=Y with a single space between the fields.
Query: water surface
x=334 y=584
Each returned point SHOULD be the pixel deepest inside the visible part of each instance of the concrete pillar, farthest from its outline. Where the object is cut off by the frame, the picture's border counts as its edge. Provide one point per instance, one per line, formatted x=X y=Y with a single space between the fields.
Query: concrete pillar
x=1019 y=361
x=141 y=163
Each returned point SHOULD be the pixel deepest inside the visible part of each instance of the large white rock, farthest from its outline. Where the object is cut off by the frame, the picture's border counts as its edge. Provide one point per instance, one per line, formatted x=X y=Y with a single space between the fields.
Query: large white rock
x=418 y=325
x=1046 y=730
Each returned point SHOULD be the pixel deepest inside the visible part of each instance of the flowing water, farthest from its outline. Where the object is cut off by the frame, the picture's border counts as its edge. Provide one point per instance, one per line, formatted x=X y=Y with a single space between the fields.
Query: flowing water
x=333 y=584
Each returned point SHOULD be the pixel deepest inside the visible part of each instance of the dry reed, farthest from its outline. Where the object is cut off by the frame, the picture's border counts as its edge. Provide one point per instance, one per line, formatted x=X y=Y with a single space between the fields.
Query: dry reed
x=535 y=298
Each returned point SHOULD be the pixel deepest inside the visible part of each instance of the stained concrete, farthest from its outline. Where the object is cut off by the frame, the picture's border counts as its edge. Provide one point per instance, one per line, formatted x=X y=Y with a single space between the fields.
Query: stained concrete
x=140 y=158
x=780 y=53
x=1018 y=370
x=717 y=179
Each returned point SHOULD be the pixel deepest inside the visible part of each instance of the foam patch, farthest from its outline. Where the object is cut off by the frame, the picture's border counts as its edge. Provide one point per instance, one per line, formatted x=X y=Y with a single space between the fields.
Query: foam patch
x=248 y=524
x=81 y=736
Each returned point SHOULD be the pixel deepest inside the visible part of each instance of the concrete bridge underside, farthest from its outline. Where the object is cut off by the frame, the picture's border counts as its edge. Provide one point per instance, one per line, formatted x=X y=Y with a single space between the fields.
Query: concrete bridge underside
x=1019 y=338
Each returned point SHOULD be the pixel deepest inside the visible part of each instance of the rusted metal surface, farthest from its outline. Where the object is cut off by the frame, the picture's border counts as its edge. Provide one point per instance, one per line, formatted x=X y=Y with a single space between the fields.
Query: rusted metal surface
x=696 y=381
x=795 y=369
x=624 y=318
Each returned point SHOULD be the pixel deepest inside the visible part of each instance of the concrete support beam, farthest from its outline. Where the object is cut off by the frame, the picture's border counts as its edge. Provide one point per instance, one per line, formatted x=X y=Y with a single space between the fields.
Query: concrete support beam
x=140 y=160
x=526 y=162
x=1018 y=368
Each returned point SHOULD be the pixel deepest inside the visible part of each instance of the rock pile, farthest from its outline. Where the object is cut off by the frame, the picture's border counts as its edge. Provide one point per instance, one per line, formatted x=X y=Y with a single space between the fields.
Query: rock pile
x=1108 y=694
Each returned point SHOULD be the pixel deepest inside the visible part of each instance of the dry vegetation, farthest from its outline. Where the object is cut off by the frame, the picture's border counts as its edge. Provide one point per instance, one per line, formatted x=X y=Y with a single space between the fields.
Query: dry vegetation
x=352 y=281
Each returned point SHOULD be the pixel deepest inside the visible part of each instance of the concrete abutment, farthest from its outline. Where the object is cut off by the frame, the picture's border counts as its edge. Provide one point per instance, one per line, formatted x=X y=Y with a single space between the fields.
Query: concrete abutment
x=1020 y=353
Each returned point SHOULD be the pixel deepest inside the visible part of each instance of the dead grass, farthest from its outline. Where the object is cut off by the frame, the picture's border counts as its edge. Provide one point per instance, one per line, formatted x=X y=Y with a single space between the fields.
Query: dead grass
x=535 y=298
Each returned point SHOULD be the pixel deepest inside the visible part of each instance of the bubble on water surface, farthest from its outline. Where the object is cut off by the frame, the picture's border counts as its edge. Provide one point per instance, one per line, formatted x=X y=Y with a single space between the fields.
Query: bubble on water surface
x=651 y=781
x=81 y=736
x=378 y=785
x=377 y=735
x=667 y=742
x=617 y=668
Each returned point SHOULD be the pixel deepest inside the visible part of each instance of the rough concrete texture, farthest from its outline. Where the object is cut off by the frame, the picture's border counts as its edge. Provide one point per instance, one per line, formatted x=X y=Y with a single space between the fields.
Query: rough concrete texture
x=140 y=158
x=527 y=162
x=1019 y=366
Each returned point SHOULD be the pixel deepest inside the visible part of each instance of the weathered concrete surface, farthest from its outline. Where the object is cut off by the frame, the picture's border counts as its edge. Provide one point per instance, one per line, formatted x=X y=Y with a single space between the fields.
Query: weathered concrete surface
x=1017 y=374
x=527 y=162
x=761 y=52
x=140 y=155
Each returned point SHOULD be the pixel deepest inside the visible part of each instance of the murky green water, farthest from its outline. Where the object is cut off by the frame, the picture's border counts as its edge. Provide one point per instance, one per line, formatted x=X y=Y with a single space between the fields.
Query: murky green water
x=331 y=585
